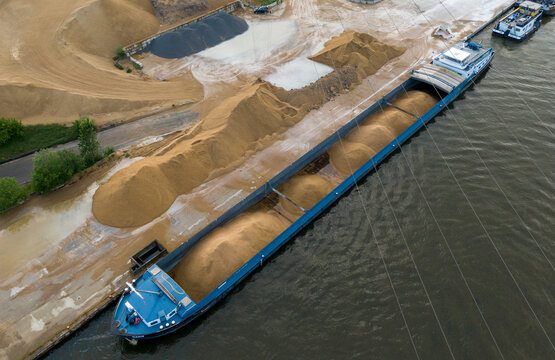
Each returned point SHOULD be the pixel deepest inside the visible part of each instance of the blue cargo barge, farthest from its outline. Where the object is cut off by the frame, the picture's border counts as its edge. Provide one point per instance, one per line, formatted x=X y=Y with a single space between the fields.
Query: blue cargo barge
x=155 y=304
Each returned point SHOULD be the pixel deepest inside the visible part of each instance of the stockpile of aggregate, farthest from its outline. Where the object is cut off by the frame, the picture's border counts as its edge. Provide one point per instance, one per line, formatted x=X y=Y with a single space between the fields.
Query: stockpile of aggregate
x=378 y=130
x=362 y=52
x=245 y=122
x=218 y=255
x=197 y=36
x=173 y=11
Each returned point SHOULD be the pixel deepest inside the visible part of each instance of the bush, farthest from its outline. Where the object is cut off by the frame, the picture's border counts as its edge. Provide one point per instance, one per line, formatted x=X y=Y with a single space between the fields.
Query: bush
x=120 y=54
x=88 y=144
x=108 y=151
x=10 y=129
x=137 y=66
x=53 y=168
x=118 y=65
x=129 y=70
x=11 y=193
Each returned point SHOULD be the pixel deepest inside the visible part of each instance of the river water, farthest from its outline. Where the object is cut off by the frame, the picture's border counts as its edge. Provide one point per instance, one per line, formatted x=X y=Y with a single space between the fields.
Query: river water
x=464 y=218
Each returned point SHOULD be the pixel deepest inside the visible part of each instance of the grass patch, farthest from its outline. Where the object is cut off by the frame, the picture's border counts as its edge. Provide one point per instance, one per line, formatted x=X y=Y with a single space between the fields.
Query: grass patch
x=37 y=137
x=265 y=2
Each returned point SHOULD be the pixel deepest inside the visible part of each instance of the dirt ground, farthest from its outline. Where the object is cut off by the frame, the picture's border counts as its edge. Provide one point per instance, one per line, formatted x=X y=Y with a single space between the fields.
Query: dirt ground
x=56 y=259
x=57 y=66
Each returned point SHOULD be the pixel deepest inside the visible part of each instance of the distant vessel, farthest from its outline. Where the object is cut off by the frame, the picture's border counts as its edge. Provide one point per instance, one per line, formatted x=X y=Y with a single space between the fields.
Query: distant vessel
x=155 y=304
x=521 y=22
x=548 y=6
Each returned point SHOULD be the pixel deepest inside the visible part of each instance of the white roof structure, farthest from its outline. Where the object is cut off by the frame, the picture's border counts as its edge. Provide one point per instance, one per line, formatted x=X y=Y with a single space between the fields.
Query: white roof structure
x=457 y=54
x=530 y=5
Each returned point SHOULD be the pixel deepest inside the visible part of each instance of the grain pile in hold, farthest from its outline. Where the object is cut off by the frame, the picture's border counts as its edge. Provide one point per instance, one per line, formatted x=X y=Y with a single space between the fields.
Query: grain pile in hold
x=245 y=122
x=225 y=250
x=378 y=130
x=305 y=191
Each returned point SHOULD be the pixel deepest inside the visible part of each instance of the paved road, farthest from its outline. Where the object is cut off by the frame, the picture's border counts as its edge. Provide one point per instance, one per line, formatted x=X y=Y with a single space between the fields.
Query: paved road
x=120 y=137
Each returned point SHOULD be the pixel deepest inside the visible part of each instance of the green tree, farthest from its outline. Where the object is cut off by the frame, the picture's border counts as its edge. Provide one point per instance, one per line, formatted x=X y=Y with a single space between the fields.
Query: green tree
x=10 y=129
x=53 y=168
x=88 y=144
x=119 y=53
x=11 y=193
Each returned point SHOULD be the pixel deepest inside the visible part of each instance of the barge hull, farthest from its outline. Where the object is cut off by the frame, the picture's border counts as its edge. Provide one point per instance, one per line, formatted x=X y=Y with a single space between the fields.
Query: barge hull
x=229 y=284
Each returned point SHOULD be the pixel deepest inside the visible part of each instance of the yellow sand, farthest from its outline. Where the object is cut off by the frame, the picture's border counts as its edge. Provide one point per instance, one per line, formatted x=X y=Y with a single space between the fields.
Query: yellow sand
x=378 y=130
x=144 y=190
x=346 y=157
x=56 y=61
x=223 y=251
x=305 y=191
x=359 y=50
x=245 y=122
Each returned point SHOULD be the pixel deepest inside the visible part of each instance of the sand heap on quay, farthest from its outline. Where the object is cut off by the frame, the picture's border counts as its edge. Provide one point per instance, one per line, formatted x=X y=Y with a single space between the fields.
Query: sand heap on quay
x=378 y=130
x=225 y=250
x=360 y=52
x=305 y=191
x=174 y=11
x=246 y=122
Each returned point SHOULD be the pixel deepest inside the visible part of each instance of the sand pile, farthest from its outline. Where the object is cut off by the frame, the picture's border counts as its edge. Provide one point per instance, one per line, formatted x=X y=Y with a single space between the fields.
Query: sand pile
x=245 y=122
x=346 y=157
x=378 y=130
x=305 y=191
x=173 y=11
x=101 y=26
x=225 y=250
x=361 y=51
x=144 y=190
x=58 y=65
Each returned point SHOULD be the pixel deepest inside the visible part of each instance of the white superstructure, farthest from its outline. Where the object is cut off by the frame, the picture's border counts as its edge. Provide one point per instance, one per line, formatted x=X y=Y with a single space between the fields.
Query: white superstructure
x=466 y=59
x=522 y=22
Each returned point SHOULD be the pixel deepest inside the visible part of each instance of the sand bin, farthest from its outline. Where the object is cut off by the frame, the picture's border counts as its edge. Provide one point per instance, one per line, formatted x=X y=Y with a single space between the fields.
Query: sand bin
x=246 y=122
x=305 y=191
x=226 y=249
x=378 y=130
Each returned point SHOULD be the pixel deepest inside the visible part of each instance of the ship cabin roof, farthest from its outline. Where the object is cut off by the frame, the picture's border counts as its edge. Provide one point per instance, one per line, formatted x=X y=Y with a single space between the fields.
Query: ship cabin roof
x=530 y=5
x=457 y=55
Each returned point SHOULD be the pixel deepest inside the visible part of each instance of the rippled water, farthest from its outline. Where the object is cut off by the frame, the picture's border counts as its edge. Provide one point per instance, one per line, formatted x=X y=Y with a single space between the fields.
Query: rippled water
x=327 y=296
